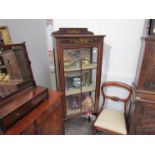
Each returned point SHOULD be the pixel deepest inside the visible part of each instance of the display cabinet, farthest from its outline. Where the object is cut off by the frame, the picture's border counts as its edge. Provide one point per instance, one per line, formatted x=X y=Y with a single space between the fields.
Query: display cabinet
x=78 y=61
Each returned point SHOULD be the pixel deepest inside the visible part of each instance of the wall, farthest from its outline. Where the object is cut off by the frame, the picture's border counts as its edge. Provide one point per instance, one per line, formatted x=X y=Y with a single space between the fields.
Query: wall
x=121 y=48
x=33 y=32
x=49 y=29
x=122 y=45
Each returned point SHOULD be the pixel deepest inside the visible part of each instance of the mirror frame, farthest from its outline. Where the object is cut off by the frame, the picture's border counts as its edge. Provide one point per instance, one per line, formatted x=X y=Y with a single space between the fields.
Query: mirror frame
x=30 y=83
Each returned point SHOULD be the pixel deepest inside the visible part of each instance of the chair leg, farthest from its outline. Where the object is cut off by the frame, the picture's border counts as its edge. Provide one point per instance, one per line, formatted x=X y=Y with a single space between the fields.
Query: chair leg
x=89 y=119
x=94 y=131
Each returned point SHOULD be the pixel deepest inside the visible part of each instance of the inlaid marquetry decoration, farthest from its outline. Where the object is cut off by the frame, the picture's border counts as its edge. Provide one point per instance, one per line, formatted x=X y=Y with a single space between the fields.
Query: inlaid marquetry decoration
x=4 y=33
x=75 y=31
x=81 y=41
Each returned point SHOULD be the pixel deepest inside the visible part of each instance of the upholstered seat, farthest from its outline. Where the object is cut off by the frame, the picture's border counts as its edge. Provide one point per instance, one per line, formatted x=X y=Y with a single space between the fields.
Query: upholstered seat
x=111 y=120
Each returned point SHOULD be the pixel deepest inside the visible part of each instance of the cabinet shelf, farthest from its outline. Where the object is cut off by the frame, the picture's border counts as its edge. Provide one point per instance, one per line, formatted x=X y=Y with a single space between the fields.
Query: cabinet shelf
x=73 y=91
x=77 y=111
x=84 y=67
x=73 y=111
x=2 y=66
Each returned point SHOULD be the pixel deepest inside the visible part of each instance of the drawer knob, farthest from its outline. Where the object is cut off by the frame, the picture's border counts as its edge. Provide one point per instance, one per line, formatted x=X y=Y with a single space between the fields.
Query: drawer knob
x=17 y=113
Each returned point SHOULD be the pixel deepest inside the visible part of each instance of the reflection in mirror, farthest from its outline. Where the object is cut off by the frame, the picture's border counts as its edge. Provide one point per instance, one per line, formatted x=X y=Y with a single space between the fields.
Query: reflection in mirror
x=14 y=71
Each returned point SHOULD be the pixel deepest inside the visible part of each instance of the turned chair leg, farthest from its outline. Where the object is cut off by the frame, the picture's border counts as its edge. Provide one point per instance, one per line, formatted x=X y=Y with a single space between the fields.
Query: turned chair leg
x=89 y=119
x=94 y=131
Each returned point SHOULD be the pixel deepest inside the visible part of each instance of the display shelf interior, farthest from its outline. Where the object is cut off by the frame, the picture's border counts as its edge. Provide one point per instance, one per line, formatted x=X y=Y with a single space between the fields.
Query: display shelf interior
x=2 y=66
x=87 y=110
x=73 y=111
x=84 y=67
x=77 y=111
x=72 y=91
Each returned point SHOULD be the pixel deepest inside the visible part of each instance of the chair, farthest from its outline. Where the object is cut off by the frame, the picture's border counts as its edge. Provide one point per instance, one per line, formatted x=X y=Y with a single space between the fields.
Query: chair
x=111 y=121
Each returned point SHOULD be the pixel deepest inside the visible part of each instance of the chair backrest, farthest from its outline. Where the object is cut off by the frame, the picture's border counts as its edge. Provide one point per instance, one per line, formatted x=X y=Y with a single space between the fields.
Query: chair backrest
x=115 y=98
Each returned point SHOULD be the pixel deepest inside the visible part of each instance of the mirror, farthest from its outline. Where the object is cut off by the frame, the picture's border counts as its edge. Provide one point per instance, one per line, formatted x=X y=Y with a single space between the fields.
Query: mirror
x=15 y=70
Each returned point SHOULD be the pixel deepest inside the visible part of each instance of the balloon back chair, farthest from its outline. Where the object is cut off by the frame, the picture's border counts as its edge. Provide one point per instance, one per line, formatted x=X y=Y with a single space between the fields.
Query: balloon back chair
x=111 y=121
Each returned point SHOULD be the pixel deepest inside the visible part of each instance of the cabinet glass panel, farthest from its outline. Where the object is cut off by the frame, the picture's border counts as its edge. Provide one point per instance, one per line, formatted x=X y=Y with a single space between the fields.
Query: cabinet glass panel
x=88 y=101
x=88 y=89
x=88 y=80
x=72 y=83
x=72 y=59
x=80 y=79
x=73 y=104
x=80 y=58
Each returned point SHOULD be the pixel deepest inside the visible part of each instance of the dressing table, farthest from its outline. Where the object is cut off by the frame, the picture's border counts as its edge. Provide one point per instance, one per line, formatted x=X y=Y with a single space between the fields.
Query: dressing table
x=25 y=107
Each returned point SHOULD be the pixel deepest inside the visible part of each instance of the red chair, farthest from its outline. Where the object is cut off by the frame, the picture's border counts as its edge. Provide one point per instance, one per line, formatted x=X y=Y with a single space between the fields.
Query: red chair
x=111 y=121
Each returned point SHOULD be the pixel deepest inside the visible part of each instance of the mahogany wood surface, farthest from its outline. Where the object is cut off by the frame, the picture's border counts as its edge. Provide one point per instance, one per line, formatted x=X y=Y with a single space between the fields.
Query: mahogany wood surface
x=72 y=31
x=46 y=118
x=21 y=99
x=115 y=98
x=20 y=105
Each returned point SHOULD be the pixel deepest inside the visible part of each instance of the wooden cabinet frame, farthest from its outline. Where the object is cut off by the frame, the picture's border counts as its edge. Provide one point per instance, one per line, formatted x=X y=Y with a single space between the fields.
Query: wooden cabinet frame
x=77 y=38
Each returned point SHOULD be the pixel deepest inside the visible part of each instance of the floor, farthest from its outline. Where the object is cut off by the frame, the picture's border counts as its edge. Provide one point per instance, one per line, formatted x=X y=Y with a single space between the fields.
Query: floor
x=79 y=126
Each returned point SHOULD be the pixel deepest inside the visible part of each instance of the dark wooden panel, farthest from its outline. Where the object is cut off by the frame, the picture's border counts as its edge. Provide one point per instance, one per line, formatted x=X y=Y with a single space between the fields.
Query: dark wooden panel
x=145 y=77
x=24 y=103
x=143 y=116
x=80 y=41
x=53 y=123
x=31 y=130
x=72 y=32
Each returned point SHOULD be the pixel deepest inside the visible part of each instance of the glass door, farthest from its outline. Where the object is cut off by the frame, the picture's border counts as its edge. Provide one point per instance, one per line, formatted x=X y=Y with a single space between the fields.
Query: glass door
x=89 y=69
x=80 y=79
